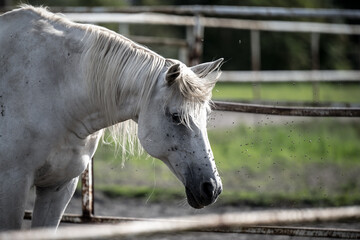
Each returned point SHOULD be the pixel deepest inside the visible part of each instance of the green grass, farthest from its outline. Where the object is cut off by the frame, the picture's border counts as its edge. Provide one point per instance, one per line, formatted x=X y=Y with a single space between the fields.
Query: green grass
x=314 y=163
x=285 y=199
x=153 y=194
x=297 y=143
x=247 y=198
x=298 y=160
x=301 y=92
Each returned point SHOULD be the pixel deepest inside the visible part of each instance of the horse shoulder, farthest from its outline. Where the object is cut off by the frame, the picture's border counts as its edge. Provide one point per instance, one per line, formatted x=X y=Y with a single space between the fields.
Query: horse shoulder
x=67 y=160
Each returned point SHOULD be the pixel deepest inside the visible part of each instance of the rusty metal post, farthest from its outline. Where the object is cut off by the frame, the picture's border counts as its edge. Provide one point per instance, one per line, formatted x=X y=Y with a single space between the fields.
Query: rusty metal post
x=255 y=59
x=195 y=38
x=87 y=191
x=315 y=38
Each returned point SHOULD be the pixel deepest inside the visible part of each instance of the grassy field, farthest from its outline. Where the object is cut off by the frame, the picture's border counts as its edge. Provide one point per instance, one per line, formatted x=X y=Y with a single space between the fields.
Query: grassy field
x=297 y=163
x=313 y=163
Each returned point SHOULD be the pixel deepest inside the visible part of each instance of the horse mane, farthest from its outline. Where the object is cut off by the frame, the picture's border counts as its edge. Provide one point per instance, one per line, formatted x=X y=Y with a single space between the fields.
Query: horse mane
x=115 y=66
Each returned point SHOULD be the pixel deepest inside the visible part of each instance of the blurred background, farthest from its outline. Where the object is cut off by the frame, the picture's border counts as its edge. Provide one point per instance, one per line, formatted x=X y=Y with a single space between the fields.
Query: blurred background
x=277 y=52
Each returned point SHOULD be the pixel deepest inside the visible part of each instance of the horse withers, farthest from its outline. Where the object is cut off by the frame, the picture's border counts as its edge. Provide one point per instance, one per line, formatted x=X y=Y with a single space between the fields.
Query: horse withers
x=62 y=83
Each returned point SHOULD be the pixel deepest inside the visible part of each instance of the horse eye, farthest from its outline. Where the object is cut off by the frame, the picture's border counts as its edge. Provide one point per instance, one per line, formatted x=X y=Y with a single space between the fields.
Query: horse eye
x=175 y=117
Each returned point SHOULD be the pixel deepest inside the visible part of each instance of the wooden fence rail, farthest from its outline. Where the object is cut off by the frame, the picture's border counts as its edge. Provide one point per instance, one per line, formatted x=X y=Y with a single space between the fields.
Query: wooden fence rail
x=164 y=19
x=287 y=111
x=221 y=11
x=204 y=222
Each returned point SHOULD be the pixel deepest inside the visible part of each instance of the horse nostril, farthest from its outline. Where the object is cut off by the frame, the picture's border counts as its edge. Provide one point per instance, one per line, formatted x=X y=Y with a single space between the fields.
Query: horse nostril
x=208 y=189
x=219 y=191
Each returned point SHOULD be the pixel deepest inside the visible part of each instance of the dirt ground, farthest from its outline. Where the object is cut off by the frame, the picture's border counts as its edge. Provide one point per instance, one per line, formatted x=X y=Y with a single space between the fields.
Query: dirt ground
x=140 y=208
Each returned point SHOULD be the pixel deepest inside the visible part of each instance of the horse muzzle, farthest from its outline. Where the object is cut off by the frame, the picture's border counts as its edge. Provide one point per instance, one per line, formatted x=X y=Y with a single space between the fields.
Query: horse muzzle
x=204 y=195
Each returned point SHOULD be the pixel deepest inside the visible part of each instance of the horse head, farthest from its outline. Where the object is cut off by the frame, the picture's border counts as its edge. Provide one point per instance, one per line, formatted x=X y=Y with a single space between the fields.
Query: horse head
x=172 y=128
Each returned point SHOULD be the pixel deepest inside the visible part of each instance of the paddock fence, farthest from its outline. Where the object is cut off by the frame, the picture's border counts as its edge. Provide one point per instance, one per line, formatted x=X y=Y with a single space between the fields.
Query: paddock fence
x=201 y=17
x=225 y=223
x=190 y=52
x=191 y=48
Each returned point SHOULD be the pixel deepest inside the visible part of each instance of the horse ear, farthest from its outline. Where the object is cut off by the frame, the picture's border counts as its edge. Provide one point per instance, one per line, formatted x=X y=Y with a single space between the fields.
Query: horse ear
x=172 y=73
x=202 y=70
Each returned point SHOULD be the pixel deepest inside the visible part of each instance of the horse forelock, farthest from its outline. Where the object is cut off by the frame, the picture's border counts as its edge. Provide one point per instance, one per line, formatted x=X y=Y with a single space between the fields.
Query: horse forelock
x=194 y=94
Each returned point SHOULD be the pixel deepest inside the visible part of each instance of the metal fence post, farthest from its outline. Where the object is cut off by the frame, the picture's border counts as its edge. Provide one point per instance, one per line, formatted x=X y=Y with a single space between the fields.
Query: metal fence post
x=255 y=59
x=194 y=37
x=124 y=29
x=315 y=38
x=87 y=191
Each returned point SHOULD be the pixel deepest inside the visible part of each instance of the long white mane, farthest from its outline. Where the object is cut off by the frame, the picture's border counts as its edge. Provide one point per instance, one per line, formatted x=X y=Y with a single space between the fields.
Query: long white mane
x=116 y=67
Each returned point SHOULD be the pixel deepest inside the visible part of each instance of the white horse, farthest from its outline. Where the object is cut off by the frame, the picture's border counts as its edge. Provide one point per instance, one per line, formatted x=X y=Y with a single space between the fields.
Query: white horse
x=62 y=83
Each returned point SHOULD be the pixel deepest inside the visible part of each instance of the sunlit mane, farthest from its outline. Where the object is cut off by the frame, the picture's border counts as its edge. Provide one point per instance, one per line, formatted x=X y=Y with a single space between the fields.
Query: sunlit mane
x=116 y=67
